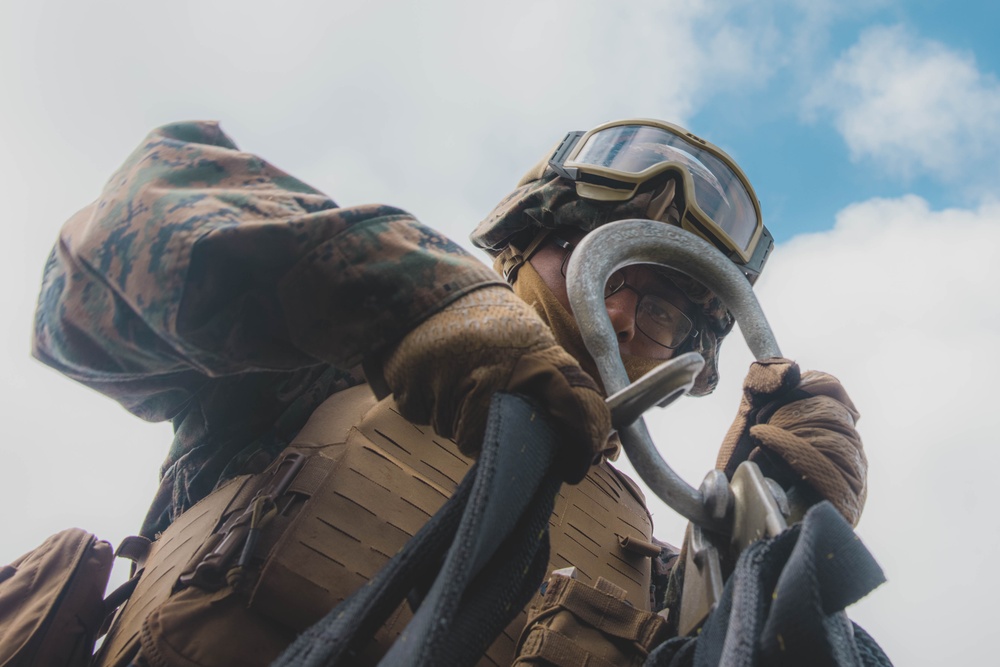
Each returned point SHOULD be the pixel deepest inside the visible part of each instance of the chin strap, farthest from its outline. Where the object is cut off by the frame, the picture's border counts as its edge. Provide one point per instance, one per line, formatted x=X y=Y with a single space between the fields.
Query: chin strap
x=511 y=258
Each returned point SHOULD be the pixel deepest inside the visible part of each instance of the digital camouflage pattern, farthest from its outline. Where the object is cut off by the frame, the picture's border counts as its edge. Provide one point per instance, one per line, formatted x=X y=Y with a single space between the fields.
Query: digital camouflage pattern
x=207 y=287
x=544 y=201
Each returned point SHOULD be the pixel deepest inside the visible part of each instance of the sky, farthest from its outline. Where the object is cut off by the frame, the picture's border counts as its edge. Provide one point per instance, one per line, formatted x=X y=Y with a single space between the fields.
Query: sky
x=870 y=131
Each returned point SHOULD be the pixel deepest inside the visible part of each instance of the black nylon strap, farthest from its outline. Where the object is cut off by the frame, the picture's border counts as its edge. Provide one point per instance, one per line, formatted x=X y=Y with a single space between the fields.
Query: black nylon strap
x=784 y=603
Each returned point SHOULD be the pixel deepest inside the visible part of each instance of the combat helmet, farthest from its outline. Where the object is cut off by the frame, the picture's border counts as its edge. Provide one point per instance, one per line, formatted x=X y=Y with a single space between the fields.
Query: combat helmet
x=637 y=168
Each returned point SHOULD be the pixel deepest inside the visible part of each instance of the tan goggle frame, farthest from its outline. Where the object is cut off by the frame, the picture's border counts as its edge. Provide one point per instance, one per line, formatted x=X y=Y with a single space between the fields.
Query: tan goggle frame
x=615 y=185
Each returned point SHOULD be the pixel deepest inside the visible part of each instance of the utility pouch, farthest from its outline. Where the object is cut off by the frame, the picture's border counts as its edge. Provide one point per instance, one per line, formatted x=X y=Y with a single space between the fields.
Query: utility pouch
x=202 y=580
x=577 y=624
x=167 y=559
x=213 y=595
x=51 y=601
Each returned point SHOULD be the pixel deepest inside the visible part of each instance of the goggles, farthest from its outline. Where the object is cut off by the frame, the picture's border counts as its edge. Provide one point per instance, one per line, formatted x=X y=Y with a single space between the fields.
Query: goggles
x=610 y=162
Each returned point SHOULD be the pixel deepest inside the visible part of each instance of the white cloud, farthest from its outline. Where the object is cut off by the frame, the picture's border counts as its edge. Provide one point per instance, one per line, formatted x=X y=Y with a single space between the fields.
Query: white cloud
x=914 y=105
x=898 y=300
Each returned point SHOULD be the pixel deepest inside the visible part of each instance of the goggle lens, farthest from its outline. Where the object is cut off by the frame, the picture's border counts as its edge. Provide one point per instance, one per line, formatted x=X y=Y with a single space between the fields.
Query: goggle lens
x=718 y=190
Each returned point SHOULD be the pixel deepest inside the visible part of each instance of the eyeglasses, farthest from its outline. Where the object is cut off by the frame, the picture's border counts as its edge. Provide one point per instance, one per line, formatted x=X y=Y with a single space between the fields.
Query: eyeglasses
x=663 y=322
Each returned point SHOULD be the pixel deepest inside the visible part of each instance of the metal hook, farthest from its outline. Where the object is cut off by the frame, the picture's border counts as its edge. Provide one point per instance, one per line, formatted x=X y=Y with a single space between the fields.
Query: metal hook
x=606 y=250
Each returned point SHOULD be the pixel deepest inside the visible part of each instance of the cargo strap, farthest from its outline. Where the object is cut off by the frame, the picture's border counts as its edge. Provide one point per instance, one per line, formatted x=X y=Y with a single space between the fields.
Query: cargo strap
x=492 y=537
x=784 y=604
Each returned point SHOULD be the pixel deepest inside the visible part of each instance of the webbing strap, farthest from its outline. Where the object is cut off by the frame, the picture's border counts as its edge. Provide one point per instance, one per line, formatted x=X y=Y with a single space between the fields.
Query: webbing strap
x=784 y=603
x=492 y=536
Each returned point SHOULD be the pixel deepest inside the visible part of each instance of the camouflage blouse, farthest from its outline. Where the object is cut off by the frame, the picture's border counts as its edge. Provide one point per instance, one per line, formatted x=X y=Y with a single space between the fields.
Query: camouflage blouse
x=209 y=288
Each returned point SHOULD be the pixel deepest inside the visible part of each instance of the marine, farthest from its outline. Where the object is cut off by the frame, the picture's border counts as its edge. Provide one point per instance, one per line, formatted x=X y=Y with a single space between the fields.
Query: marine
x=209 y=288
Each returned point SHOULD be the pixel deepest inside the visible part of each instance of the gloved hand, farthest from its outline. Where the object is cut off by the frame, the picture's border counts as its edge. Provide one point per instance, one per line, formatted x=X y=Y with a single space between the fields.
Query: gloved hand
x=799 y=427
x=447 y=369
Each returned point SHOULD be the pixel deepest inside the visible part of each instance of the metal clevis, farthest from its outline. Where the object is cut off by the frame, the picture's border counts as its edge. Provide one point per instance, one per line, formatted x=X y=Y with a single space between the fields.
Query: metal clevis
x=725 y=515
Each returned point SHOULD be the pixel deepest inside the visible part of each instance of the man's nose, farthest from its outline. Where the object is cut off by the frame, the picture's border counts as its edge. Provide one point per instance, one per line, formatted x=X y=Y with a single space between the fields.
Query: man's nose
x=621 y=309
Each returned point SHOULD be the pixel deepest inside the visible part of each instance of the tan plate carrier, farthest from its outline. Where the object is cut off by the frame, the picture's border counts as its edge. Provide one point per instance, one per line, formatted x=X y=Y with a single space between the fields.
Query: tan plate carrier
x=371 y=481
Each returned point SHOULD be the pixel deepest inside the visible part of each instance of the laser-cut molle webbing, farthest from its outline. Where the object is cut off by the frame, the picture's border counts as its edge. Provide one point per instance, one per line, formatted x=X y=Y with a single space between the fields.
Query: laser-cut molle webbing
x=390 y=477
x=373 y=481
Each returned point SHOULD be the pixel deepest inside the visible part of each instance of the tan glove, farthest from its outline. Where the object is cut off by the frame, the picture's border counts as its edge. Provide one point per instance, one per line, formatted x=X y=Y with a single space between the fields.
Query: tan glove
x=446 y=371
x=799 y=427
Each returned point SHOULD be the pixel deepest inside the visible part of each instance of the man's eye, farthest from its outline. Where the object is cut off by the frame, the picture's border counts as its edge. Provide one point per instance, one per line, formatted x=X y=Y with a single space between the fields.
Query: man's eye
x=660 y=311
